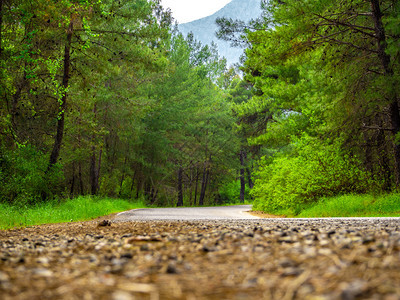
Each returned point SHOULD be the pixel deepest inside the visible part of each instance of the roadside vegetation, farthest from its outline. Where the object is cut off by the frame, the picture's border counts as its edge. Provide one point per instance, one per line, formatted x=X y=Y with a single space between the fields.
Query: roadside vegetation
x=345 y=206
x=71 y=210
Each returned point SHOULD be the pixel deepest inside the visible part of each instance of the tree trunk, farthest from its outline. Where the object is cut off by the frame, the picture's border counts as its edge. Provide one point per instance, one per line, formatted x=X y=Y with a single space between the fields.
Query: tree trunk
x=1 y=27
x=80 y=178
x=251 y=183
x=242 y=176
x=384 y=162
x=180 y=192
x=395 y=121
x=139 y=187
x=61 y=115
x=191 y=188
x=385 y=61
x=99 y=168
x=196 y=187
x=204 y=185
x=73 y=179
x=95 y=166
x=132 y=184
x=93 y=172
x=122 y=178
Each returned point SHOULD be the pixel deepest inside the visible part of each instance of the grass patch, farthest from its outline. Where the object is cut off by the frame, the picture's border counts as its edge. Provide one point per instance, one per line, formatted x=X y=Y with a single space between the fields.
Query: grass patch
x=346 y=206
x=354 y=206
x=78 y=209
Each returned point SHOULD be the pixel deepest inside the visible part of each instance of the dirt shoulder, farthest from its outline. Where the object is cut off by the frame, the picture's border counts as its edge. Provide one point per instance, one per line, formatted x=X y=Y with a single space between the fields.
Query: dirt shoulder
x=264 y=215
x=261 y=259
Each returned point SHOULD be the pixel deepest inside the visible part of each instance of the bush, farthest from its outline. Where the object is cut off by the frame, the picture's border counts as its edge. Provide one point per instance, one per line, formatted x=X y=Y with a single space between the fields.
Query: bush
x=313 y=170
x=229 y=193
x=24 y=176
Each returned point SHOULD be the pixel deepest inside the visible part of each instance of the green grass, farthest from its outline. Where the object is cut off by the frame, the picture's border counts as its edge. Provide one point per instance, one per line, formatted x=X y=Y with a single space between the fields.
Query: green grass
x=78 y=209
x=347 y=206
x=354 y=206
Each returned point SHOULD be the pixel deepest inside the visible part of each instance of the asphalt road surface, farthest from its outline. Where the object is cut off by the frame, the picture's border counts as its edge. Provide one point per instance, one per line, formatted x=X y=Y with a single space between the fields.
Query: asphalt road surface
x=239 y=212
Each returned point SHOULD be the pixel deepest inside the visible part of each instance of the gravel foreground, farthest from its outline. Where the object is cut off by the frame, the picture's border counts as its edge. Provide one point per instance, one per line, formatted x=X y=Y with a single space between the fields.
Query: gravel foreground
x=251 y=259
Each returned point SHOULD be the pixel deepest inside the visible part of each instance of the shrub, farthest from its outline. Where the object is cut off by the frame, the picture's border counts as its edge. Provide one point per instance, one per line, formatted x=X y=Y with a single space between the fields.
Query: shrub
x=24 y=176
x=312 y=170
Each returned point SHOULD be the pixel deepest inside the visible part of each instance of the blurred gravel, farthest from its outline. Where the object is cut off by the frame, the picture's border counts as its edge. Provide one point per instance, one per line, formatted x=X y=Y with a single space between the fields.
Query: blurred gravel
x=221 y=259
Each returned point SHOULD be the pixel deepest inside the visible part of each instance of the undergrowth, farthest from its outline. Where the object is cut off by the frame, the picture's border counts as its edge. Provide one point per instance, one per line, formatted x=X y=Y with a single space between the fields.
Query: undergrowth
x=347 y=206
x=79 y=209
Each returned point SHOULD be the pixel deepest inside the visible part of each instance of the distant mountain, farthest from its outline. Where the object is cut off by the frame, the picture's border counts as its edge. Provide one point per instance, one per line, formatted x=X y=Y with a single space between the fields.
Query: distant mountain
x=204 y=29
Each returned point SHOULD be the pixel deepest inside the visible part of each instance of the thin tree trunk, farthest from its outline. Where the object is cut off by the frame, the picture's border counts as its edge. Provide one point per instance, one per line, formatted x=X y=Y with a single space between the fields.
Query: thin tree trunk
x=80 y=178
x=250 y=181
x=93 y=172
x=122 y=179
x=191 y=188
x=1 y=27
x=65 y=82
x=138 y=187
x=95 y=166
x=204 y=185
x=196 y=187
x=242 y=177
x=180 y=192
x=99 y=168
x=133 y=184
x=153 y=195
x=73 y=179
x=385 y=61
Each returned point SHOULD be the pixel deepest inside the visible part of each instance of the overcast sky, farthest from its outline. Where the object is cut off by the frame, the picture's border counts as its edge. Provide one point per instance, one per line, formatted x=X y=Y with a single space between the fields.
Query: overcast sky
x=188 y=10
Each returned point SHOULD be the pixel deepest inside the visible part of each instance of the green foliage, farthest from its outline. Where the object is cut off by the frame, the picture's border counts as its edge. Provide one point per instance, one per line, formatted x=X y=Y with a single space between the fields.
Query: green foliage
x=354 y=206
x=78 y=209
x=313 y=169
x=324 y=105
x=229 y=193
x=24 y=176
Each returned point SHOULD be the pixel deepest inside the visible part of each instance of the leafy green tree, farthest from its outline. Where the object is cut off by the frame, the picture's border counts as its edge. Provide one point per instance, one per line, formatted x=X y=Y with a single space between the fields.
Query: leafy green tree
x=65 y=62
x=326 y=69
x=188 y=127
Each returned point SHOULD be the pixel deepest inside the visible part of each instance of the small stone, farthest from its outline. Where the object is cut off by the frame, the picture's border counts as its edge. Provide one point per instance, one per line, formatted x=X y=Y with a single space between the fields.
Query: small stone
x=292 y=272
x=127 y=255
x=353 y=290
x=104 y=223
x=145 y=247
x=331 y=232
x=42 y=272
x=121 y=295
x=43 y=260
x=285 y=263
x=4 y=277
x=39 y=244
x=171 y=269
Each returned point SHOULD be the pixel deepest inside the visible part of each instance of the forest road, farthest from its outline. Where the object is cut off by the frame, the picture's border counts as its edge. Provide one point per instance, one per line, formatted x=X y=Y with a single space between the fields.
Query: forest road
x=238 y=212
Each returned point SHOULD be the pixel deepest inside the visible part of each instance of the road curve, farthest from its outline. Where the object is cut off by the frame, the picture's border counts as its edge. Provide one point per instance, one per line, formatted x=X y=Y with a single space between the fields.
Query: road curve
x=239 y=212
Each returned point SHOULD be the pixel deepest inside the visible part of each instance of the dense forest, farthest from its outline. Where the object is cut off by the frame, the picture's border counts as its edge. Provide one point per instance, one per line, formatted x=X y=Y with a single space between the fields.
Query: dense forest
x=107 y=98
x=324 y=116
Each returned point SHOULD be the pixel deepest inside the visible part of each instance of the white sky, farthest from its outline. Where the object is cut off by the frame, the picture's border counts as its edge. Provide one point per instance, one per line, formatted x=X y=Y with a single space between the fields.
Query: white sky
x=188 y=10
